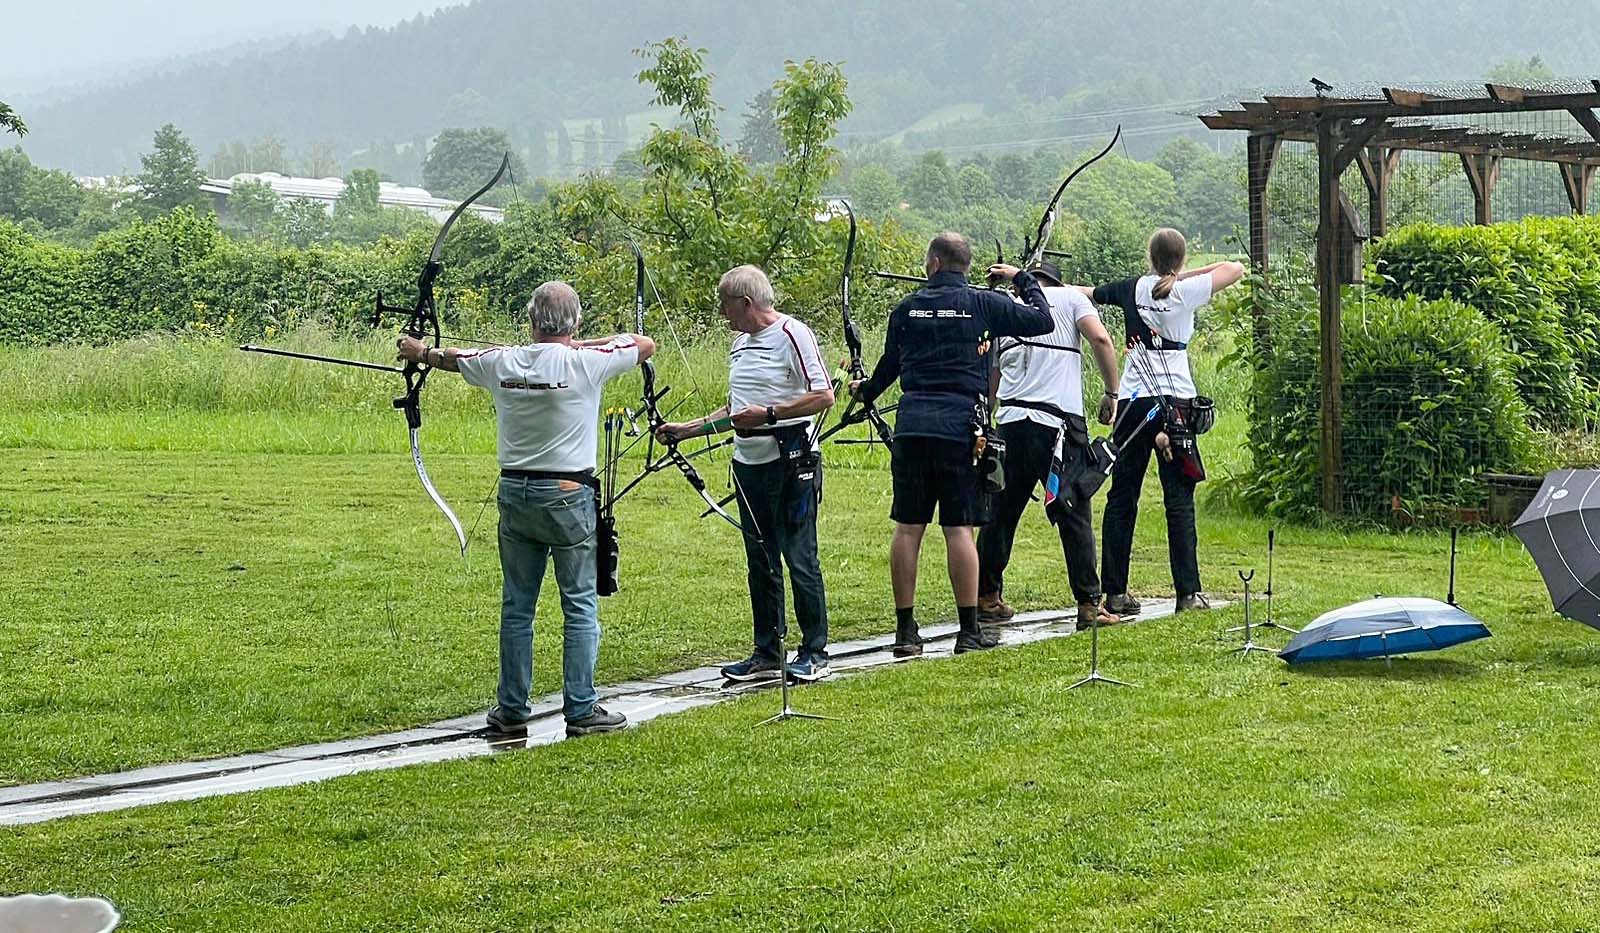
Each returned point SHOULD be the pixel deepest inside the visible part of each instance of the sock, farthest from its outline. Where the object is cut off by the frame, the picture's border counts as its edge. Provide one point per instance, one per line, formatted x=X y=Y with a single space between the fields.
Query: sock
x=905 y=618
x=968 y=616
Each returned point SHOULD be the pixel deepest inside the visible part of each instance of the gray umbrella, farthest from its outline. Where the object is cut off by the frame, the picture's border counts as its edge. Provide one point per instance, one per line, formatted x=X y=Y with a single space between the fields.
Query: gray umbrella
x=1561 y=529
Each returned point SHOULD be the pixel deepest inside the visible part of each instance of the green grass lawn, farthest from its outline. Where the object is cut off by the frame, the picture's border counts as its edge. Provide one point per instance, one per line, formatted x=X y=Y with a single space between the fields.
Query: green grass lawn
x=192 y=578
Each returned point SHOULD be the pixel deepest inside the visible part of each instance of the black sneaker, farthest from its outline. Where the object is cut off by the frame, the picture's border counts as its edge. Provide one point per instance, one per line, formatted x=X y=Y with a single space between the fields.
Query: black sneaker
x=975 y=641
x=502 y=723
x=907 y=641
x=1192 y=601
x=752 y=668
x=808 y=668
x=1122 y=604
x=598 y=720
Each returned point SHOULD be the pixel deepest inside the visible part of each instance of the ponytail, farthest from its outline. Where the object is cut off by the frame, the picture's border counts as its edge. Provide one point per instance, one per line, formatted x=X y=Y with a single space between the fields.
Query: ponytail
x=1167 y=250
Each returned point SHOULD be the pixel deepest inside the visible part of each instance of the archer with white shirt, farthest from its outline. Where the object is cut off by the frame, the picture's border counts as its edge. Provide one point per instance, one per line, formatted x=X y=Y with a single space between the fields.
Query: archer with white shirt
x=777 y=382
x=1159 y=313
x=1038 y=386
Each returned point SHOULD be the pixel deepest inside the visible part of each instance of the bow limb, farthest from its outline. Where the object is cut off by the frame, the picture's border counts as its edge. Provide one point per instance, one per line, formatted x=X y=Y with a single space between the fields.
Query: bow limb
x=438 y=500
x=1047 y=223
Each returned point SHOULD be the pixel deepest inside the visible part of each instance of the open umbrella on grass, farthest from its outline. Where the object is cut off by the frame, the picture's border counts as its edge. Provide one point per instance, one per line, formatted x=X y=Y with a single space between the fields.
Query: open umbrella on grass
x=1379 y=628
x=1561 y=529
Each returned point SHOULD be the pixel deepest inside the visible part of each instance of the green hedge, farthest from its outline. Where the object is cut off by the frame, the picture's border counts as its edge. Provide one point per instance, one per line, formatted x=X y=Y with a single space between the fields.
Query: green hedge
x=1538 y=279
x=181 y=272
x=1429 y=404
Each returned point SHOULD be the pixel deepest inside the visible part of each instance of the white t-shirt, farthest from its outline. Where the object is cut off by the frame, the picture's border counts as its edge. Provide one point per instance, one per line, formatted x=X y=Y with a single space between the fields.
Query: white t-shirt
x=1035 y=370
x=776 y=365
x=547 y=399
x=1166 y=372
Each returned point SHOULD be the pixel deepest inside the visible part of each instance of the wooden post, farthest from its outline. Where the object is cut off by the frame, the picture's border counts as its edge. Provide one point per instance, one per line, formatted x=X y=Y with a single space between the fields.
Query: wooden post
x=1261 y=150
x=1378 y=166
x=1260 y=153
x=1483 y=173
x=1578 y=179
x=1332 y=360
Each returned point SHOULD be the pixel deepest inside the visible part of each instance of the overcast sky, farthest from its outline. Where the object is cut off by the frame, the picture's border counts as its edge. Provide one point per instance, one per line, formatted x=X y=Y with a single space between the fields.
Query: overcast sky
x=55 y=42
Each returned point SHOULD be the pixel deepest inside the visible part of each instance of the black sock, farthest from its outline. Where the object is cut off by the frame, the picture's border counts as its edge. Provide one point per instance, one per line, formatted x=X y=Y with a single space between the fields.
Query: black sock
x=968 y=616
x=905 y=618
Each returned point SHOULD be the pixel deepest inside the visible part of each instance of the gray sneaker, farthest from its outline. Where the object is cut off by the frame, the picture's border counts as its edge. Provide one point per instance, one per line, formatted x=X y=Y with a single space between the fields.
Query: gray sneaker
x=598 y=720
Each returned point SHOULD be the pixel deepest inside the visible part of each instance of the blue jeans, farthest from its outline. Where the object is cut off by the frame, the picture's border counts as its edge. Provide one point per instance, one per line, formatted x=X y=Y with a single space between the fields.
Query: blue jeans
x=538 y=518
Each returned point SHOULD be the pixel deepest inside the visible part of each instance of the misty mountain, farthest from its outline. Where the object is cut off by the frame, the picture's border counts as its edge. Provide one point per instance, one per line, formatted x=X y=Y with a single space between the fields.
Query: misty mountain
x=530 y=66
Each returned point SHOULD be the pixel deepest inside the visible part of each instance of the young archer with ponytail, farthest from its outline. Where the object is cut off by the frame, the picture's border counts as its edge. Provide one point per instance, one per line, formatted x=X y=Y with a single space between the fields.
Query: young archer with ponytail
x=1159 y=310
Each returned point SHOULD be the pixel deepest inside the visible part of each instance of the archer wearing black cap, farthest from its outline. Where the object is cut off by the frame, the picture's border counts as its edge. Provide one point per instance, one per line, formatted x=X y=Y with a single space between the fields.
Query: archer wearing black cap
x=938 y=347
x=1037 y=385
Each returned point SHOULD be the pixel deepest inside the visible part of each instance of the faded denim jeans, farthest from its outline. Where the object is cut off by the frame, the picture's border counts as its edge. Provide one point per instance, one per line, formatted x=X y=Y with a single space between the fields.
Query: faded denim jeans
x=540 y=518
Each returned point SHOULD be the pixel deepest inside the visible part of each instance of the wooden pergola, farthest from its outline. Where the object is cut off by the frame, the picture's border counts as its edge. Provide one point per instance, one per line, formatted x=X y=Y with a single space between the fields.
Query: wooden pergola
x=1371 y=126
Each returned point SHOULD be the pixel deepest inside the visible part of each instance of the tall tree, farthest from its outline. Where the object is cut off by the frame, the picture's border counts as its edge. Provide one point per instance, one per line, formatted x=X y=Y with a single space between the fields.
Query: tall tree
x=760 y=141
x=461 y=159
x=172 y=175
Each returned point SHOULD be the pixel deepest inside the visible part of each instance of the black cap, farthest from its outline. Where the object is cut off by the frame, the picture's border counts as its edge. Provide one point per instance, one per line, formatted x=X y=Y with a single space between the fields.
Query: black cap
x=1049 y=270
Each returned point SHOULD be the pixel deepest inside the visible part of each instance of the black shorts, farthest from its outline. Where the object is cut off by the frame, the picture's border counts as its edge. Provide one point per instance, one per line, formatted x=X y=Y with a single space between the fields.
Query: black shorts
x=931 y=471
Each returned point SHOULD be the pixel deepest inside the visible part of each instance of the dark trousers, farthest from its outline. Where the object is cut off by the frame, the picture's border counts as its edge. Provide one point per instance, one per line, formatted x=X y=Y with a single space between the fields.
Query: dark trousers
x=1122 y=507
x=782 y=510
x=1029 y=449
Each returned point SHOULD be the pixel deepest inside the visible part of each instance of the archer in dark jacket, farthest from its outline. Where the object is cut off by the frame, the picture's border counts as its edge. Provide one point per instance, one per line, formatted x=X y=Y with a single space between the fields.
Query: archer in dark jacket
x=938 y=347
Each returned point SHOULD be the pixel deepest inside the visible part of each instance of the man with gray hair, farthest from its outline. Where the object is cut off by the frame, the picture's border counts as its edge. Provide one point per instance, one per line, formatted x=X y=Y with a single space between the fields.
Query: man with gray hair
x=547 y=405
x=776 y=383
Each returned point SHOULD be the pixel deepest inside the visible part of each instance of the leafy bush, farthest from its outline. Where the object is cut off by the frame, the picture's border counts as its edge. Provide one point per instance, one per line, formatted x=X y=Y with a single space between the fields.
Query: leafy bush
x=1429 y=404
x=1537 y=279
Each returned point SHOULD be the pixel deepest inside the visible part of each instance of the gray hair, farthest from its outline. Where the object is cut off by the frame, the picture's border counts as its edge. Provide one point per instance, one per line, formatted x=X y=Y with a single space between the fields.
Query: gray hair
x=555 y=310
x=747 y=282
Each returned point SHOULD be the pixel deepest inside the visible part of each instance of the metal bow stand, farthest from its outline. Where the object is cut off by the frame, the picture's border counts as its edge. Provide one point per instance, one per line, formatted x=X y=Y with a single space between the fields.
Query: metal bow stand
x=1249 y=642
x=1095 y=677
x=1272 y=543
x=789 y=712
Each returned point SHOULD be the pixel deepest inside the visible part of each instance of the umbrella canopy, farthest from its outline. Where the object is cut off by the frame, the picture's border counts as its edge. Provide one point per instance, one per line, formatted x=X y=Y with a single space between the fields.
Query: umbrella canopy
x=1561 y=529
x=1381 y=627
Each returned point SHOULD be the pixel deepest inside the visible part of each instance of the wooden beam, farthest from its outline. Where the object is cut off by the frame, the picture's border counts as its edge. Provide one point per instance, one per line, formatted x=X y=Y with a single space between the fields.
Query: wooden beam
x=1404 y=98
x=1355 y=139
x=1329 y=311
x=1483 y=173
x=1295 y=104
x=1586 y=118
x=1507 y=93
x=1378 y=165
x=1578 y=180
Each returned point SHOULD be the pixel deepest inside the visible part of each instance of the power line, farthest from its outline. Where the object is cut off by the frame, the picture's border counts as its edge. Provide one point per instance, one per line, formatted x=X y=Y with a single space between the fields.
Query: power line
x=1076 y=137
x=1067 y=118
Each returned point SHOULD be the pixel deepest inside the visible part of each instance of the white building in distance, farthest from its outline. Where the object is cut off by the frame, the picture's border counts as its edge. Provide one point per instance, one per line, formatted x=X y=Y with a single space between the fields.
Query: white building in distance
x=326 y=191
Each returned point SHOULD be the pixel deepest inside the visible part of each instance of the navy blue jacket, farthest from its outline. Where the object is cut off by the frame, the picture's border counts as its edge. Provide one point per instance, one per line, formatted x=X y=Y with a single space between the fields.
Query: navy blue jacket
x=933 y=345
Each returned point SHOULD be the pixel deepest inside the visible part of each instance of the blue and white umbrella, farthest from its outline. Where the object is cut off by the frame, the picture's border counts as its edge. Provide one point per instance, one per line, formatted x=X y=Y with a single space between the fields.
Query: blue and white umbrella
x=1378 y=628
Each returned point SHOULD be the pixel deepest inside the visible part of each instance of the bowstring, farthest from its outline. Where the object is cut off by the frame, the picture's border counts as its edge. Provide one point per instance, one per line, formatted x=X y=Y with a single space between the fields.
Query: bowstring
x=516 y=195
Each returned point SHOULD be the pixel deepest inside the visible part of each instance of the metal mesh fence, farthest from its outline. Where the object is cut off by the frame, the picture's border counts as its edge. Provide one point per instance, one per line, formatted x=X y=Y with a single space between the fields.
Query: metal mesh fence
x=1425 y=428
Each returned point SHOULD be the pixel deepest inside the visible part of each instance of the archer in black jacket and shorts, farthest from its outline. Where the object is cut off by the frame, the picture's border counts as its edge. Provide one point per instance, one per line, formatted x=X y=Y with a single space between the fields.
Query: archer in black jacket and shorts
x=938 y=347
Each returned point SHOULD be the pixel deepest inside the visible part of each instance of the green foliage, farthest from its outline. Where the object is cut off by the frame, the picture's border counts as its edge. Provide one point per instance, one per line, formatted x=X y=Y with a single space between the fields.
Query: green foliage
x=702 y=208
x=462 y=160
x=1429 y=404
x=27 y=192
x=10 y=121
x=172 y=177
x=1536 y=279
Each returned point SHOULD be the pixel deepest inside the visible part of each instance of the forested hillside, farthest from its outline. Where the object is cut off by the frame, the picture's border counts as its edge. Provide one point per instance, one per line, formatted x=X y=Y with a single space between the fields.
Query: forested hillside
x=562 y=74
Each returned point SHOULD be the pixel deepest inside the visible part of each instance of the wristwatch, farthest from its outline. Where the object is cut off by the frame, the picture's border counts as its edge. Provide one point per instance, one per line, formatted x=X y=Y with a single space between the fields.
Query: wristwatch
x=772 y=415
